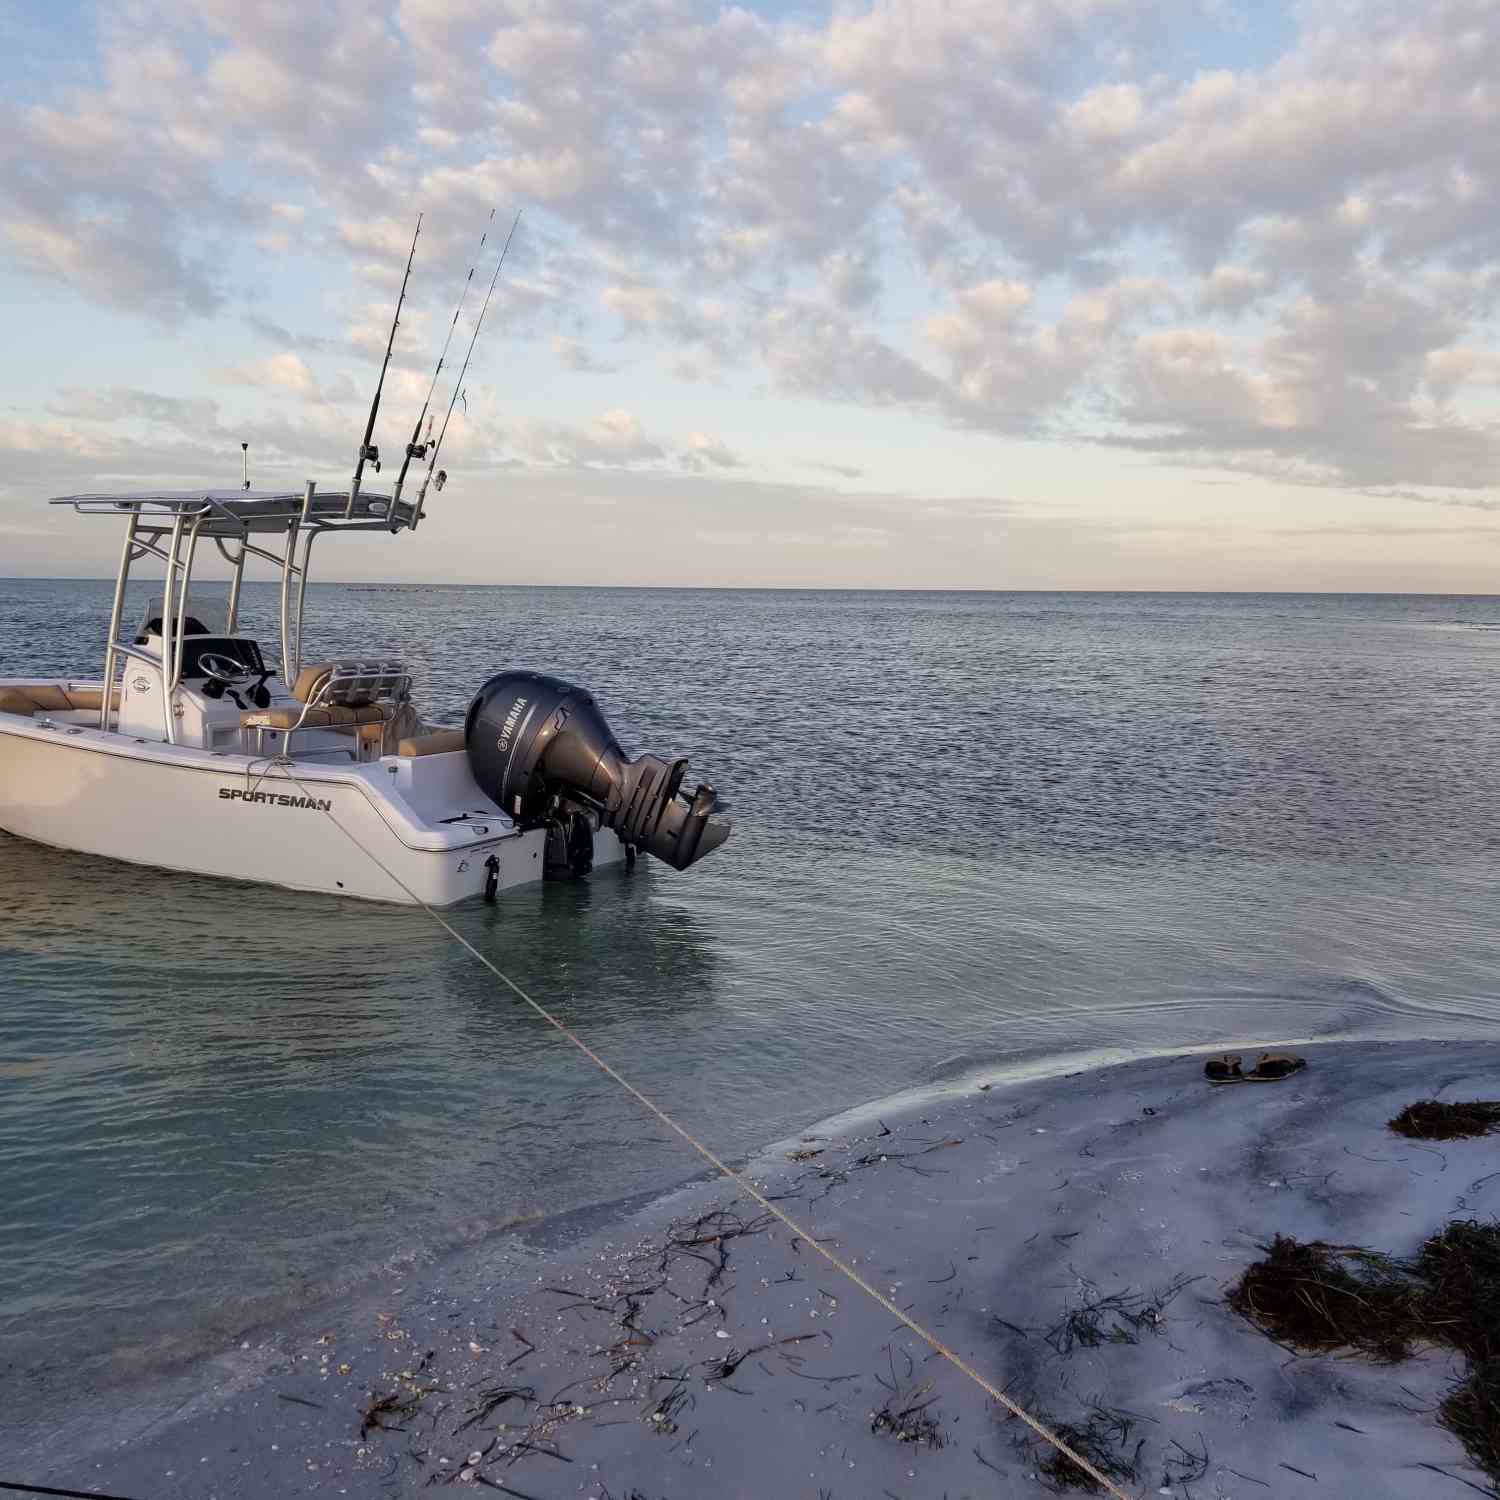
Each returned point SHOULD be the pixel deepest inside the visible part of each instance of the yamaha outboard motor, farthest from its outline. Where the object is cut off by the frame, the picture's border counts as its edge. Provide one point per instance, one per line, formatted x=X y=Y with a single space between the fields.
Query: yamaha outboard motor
x=541 y=749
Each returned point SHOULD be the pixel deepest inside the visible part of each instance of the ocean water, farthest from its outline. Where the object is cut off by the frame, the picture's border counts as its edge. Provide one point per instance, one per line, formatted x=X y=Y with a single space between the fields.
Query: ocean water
x=970 y=828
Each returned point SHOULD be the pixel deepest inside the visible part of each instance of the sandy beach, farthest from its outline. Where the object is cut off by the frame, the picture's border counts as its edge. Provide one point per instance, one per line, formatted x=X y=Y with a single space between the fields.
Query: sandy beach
x=1072 y=1236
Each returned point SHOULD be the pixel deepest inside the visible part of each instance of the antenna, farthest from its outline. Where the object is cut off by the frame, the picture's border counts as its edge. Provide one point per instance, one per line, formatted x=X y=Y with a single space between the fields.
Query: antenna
x=442 y=476
x=367 y=449
x=245 y=456
x=417 y=448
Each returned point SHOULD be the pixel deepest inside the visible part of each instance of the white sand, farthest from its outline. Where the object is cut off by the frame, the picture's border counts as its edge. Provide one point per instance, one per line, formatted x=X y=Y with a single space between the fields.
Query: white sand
x=1139 y=1181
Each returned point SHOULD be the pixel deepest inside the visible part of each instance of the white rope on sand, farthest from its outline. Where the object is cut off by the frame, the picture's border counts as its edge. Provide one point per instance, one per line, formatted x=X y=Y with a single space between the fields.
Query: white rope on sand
x=742 y=1183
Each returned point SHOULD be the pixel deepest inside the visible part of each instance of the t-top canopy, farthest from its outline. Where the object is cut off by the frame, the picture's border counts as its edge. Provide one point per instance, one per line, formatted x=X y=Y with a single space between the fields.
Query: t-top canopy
x=236 y=513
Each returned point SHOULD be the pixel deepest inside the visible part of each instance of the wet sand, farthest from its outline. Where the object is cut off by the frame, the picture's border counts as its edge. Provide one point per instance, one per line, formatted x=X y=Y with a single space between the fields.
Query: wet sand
x=1072 y=1237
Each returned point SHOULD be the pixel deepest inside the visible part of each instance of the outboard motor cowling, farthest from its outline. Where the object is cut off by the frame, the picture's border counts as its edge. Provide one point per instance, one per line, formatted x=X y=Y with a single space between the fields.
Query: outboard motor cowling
x=540 y=747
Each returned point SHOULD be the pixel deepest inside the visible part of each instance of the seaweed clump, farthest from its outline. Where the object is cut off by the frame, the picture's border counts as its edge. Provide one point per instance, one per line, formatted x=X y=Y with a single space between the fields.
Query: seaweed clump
x=909 y=1424
x=1103 y=1441
x=1317 y=1296
x=1471 y=1412
x=1323 y=1297
x=1432 y=1120
x=1120 y=1318
x=1460 y=1271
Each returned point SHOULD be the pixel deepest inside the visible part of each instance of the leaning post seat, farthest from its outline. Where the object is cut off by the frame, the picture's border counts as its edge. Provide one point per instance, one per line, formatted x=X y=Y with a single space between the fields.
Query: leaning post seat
x=310 y=716
x=352 y=684
x=337 y=695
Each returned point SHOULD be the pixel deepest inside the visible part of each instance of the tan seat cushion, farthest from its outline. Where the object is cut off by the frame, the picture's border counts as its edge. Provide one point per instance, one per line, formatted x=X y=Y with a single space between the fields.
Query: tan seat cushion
x=47 y=698
x=439 y=742
x=405 y=724
x=14 y=700
x=92 y=697
x=315 y=718
x=307 y=679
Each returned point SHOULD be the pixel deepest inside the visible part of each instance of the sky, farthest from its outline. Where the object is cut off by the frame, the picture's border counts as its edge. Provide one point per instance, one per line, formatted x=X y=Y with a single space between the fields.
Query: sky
x=987 y=294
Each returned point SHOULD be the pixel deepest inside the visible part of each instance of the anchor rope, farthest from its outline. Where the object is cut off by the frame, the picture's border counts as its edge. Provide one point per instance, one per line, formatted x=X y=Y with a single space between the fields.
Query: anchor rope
x=42 y=1489
x=742 y=1183
x=272 y=761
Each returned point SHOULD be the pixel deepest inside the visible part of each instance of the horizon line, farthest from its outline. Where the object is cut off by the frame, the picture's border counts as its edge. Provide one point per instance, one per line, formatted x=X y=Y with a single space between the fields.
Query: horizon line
x=787 y=588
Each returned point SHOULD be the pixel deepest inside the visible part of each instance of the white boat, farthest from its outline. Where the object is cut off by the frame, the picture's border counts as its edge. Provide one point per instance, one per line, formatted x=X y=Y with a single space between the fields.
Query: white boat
x=192 y=752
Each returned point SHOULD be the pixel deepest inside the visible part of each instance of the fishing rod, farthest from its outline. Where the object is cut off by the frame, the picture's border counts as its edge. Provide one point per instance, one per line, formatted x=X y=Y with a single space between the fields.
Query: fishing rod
x=442 y=476
x=416 y=448
x=367 y=449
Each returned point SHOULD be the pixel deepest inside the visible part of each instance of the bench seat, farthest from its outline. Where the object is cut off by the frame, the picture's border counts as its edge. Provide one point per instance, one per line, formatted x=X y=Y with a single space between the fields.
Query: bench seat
x=32 y=698
x=438 y=742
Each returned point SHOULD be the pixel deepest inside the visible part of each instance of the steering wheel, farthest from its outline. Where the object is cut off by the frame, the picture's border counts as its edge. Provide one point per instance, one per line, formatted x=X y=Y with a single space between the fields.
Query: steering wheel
x=225 y=669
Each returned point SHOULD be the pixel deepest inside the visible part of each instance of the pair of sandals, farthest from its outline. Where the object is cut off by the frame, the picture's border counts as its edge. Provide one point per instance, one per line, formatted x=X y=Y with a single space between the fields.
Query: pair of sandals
x=1272 y=1068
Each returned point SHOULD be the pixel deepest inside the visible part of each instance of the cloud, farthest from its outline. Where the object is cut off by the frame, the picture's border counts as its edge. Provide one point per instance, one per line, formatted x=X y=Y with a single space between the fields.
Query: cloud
x=287 y=372
x=124 y=430
x=1031 y=221
x=122 y=403
x=273 y=332
x=820 y=351
x=1384 y=531
x=614 y=440
x=703 y=454
x=1231 y=289
x=1449 y=370
x=578 y=357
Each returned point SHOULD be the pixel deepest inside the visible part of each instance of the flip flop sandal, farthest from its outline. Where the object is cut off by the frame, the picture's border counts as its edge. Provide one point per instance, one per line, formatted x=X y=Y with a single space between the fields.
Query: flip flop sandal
x=1225 y=1069
x=1274 y=1066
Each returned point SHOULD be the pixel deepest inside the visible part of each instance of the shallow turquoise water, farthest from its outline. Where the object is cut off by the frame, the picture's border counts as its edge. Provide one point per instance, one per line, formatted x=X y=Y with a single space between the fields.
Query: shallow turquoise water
x=968 y=826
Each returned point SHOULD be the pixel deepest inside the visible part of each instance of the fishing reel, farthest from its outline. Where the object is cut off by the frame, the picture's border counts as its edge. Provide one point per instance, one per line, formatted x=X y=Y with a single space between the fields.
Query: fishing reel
x=419 y=451
x=540 y=746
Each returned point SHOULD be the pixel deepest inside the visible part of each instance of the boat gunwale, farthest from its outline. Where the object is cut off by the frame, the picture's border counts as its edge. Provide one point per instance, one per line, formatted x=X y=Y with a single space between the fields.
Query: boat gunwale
x=223 y=763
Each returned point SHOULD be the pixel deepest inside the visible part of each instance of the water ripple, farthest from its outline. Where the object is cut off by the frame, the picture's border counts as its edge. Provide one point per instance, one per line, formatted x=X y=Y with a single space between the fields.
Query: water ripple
x=968 y=827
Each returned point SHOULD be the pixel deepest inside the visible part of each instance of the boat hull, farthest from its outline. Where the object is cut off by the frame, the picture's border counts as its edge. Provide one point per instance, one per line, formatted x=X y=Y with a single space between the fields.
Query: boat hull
x=343 y=831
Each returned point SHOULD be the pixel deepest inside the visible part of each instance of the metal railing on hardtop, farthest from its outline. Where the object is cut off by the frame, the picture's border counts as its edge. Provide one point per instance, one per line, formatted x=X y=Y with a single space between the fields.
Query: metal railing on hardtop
x=169 y=524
